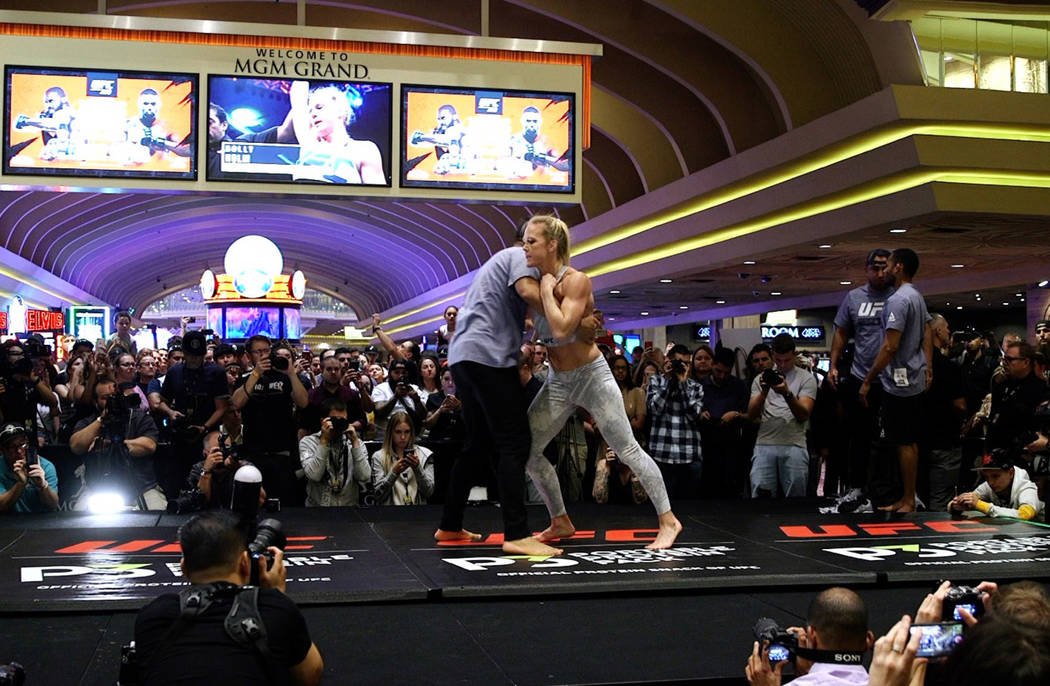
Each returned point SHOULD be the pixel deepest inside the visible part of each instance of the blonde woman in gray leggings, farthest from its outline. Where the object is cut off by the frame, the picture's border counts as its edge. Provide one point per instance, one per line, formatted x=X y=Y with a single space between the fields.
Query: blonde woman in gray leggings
x=579 y=377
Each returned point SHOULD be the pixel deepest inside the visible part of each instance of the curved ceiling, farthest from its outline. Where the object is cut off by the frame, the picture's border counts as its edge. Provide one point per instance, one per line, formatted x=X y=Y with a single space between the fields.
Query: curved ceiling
x=680 y=86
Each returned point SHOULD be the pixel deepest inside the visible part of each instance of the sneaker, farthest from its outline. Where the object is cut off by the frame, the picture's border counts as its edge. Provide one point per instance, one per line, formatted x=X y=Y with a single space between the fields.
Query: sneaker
x=859 y=506
x=852 y=494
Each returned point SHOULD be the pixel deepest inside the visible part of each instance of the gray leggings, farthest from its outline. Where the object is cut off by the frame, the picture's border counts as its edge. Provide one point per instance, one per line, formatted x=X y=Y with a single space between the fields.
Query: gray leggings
x=593 y=388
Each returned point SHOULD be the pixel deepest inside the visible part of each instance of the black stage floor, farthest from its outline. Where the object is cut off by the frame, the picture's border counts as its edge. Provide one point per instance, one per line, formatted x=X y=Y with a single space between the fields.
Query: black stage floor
x=386 y=605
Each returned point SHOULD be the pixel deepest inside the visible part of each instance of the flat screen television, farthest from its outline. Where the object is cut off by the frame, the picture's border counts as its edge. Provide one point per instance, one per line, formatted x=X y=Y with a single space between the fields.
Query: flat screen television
x=245 y=322
x=485 y=139
x=100 y=123
x=292 y=131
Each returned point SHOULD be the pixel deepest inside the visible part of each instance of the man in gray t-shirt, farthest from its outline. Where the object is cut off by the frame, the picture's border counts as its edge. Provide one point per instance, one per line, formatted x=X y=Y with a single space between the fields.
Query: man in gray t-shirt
x=859 y=318
x=483 y=357
x=783 y=405
x=903 y=369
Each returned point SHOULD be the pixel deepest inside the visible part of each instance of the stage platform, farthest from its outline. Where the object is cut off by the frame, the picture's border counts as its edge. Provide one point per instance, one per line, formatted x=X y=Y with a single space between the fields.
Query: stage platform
x=387 y=605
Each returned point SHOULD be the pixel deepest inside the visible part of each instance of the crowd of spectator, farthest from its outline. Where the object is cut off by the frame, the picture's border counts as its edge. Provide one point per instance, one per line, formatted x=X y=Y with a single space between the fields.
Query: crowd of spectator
x=909 y=414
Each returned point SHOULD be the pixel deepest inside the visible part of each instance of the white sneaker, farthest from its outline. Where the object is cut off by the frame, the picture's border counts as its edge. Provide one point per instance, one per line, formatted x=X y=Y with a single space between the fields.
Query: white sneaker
x=852 y=494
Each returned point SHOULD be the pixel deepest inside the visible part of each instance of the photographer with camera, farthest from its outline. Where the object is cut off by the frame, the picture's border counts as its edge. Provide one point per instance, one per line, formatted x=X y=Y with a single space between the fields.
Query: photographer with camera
x=829 y=651
x=29 y=483
x=402 y=472
x=219 y=630
x=397 y=394
x=210 y=483
x=267 y=397
x=674 y=402
x=782 y=398
x=25 y=380
x=118 y=441
x=335 y=459
x=337 y=383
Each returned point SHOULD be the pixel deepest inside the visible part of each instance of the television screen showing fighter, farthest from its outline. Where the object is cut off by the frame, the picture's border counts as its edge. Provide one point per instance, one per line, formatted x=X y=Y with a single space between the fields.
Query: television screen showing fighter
x=487 y=140
x=88 y=122
x=285 y=131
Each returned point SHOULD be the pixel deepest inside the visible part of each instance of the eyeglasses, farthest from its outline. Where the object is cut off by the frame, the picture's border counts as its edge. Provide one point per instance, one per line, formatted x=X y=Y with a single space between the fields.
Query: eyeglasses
x=15 y=447
x=127 y=364
x=1007 y=358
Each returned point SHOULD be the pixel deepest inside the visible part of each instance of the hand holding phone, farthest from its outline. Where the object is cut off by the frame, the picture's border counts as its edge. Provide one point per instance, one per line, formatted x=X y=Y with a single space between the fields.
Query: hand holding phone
x=937 y=640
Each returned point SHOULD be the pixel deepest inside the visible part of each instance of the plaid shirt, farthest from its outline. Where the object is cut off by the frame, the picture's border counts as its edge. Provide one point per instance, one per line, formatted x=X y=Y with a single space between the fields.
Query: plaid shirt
x=675 y=434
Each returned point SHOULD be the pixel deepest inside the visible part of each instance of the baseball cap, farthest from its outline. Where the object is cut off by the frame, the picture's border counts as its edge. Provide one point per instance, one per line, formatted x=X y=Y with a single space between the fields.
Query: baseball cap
x=1042 y=324
x=224 y=349
x=371 y=350
x=9 y=432
x=195 y=343
x=997 y=459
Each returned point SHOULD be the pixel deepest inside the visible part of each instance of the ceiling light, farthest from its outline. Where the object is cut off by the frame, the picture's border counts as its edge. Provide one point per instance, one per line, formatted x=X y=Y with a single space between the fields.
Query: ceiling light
x=958 y=266
x=665 y=280
x=752 y=262
x=614 y=292
x=775 y=293
x=645 y=314
x=898 y=231
x=683 y=307
x=845 y=283
x=948 y=58
x=720 y=302
x=1006 y=303
x=958 y=307
x=1043 y=283
x=824 y=246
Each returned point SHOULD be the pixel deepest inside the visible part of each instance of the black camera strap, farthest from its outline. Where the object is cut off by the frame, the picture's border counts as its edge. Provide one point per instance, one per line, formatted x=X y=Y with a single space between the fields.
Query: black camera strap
x=243 y=623
x=837 y=657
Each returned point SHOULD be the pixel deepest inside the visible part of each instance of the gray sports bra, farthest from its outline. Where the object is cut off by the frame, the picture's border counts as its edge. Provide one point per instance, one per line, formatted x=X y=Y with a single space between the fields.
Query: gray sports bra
x=544 y=334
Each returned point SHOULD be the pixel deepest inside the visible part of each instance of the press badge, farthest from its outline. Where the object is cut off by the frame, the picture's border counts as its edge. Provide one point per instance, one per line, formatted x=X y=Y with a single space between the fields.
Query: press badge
x=900 y=377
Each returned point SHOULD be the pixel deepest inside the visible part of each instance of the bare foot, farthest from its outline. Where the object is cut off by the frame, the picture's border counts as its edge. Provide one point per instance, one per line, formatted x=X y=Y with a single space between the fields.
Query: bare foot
x=461 y=535
x=900 y=506
x=670 y=527
x=530 y=546
x=561 y=527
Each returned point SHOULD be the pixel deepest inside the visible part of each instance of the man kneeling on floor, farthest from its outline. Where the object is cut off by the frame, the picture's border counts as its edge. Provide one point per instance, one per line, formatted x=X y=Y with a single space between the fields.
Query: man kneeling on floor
x=829 y=651
x=219 y=630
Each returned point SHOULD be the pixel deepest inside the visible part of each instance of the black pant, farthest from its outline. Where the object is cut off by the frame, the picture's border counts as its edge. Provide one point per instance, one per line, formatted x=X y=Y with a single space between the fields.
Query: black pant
x=497 y=423
x=863 y=425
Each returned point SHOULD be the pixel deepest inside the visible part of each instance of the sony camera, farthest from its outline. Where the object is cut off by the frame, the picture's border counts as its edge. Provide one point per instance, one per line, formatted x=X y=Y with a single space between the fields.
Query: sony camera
x=961 y=597
x=772 y=377
x=279 y=363
x=782 y=643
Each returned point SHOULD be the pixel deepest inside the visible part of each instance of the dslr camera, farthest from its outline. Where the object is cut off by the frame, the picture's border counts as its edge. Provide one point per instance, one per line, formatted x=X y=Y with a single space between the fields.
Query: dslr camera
x=678 y=367
x=267 y=533
x=339 y=425
x=772 y=377
x=961 y=597
x=118 y=413
x=782 y=643
x=279 y=363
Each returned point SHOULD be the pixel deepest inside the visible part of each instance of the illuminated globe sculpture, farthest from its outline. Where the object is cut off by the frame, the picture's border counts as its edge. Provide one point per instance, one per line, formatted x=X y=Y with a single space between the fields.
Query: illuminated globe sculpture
x=253 y=262
x=253 y=296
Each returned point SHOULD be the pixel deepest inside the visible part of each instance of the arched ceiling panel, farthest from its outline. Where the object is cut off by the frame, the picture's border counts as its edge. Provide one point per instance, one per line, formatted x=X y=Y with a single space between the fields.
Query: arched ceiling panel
x=698 y=132
x=396 y=15
x=712 y=73
x=223 y=10
x=649 y=144
x=619 y=170
x=597 y=198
